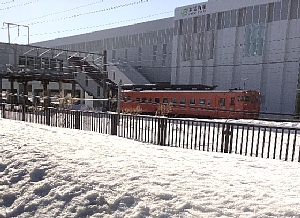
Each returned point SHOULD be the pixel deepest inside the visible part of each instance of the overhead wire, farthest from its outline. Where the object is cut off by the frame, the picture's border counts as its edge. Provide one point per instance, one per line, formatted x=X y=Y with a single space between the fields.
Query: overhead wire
x=19 y=5
x=8 y=2
x=60 y=12
x=107 y=24
x=91 y=12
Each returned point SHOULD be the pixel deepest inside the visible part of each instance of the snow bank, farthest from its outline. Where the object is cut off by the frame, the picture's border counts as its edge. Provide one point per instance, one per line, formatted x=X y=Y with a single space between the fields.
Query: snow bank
x=54 y=172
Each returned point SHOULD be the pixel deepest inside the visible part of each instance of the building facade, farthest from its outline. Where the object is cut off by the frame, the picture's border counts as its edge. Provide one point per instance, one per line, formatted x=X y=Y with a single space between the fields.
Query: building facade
x=244 y=44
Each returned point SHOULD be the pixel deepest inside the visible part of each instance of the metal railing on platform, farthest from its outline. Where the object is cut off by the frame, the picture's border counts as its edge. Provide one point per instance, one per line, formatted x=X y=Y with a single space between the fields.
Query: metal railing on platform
x=263 y=140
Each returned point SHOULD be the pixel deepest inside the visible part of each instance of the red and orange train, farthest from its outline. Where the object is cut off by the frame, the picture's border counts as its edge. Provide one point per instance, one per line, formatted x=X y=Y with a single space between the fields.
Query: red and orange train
x=236 y=104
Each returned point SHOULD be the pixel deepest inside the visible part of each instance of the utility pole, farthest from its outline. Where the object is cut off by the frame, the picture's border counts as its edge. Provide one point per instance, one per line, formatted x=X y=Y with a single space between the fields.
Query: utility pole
x=119 y=98
x=105 y=74
x=13 y=24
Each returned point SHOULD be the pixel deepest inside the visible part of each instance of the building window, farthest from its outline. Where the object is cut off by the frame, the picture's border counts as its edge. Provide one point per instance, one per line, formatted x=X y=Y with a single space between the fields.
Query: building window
x=126 y=56
x=211 y=44
x=180 y=28
x=98 y=91
x=294 y=9
x=113 y=56
x=241 y=17
x=140 y=55
x=284 y=9
x=186 y=47
x=233 y=18
x=271 y=12
x=200 y=43
x=154 y=54
x=164 y=55
x=254 y=40
x=195 y=26
x=220 y=20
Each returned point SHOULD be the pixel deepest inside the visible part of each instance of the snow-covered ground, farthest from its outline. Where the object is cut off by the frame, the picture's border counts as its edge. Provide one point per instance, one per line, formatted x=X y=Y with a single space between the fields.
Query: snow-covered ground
x=54 y=172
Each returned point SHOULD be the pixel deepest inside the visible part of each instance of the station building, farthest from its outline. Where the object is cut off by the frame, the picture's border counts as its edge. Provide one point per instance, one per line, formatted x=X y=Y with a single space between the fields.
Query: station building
x=244 y=44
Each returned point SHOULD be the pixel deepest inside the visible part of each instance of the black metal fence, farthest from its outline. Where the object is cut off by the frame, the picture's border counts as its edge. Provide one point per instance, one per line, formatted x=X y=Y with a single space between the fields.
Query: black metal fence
x=257 y=140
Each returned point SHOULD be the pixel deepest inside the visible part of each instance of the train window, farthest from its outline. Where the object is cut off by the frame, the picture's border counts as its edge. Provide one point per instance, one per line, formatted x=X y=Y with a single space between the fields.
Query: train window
x=137 y=99
x=208 y=102
x=150 y=100
x=156 y=100
x=182 y=100
x=202 y=101
x=165 y=100
x=244 y=98
x=232 y=101
x=174 y=100
x=222 y=102
x=192 y=101
x=128 y=98
x=144 y=100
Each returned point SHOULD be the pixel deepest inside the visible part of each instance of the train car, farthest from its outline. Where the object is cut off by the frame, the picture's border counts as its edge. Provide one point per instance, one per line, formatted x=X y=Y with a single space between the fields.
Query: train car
x=238 y=104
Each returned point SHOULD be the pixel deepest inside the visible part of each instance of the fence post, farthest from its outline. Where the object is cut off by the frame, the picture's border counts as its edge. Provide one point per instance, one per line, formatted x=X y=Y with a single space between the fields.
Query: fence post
x=3 y=110
x=162 y=131
x=48 y=115
x=226 y=135
x=77 y=119
x=114 y=123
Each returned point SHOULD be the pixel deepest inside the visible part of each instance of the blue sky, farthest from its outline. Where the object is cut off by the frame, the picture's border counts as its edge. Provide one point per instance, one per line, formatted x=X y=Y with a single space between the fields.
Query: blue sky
x=54 y=19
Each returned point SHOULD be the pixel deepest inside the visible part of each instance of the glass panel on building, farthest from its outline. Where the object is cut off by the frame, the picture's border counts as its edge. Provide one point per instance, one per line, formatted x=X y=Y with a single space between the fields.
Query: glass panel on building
x=233 y=18
x=256 y=14
x=190 y=25
x=294 y=9
x=164 y=55
x=270 y=12
x=262 y=13
x=284 y=9
x=180 y=28
x=241 y=17
x=277 y=11
x=219 y=21
x=249 y=14
x=227 y=19
x=195 y=24
x=213 y=21
x=207 y=22
x=154 y=54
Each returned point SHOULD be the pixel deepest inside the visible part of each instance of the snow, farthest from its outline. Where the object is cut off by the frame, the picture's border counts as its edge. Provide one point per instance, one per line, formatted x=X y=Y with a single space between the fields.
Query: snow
x=55 y=172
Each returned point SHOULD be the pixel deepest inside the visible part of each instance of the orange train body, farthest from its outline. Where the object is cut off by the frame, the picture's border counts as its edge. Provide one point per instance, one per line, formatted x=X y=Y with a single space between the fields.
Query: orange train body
x=236 y=104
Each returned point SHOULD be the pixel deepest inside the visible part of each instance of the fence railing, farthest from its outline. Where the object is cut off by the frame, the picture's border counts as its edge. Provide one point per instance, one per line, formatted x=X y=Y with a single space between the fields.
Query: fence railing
x=265 y=141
